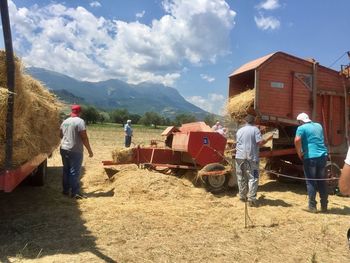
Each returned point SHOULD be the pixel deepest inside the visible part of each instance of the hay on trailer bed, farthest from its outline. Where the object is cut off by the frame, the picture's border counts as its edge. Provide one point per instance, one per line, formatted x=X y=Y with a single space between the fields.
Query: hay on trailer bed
x=241 y=105
x=36 y=118
x=122 y=155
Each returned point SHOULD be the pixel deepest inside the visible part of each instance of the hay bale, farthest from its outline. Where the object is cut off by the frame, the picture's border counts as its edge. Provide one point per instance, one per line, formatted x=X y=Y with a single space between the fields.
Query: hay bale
x=123 y=155
x=36 y=116
x=241 y=105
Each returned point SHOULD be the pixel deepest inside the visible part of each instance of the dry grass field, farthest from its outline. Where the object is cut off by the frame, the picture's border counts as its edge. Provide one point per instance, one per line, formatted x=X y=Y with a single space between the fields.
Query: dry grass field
x=143 y=216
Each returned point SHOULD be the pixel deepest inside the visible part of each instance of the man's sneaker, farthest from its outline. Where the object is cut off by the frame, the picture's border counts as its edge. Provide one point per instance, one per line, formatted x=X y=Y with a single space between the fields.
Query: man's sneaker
x=79 y=196
x=312 y=210
x=243 y=199
x=324 y=209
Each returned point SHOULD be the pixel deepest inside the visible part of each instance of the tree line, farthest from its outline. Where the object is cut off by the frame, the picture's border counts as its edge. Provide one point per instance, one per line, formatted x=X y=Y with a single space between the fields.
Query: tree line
x=91 y=115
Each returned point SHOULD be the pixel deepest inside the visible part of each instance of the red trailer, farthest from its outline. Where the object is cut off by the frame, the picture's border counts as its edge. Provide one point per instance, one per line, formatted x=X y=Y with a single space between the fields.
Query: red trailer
x=193 y=146
x=285 y=86
x=35 y=168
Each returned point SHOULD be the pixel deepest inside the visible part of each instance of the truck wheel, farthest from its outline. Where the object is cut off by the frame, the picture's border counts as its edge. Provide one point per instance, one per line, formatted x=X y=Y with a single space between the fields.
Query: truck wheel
x=215 y=183
x=332 y=171
x=39 y=175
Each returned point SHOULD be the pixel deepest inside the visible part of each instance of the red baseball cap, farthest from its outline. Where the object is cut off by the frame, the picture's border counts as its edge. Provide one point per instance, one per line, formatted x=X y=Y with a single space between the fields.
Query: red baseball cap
x=76 y=109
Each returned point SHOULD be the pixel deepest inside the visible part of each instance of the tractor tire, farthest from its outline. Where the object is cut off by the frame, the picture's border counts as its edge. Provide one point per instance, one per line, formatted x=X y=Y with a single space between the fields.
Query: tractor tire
x=38 y=177
x=215 y=183
x=332 y=171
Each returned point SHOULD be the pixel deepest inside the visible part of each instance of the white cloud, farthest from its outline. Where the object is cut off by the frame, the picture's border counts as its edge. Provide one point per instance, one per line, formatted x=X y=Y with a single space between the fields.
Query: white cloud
x=95 y=4
x=269 y=5
x=214 y=103
x=141 y=14
x=75 y=42
x=266 y=23
x=207 y=77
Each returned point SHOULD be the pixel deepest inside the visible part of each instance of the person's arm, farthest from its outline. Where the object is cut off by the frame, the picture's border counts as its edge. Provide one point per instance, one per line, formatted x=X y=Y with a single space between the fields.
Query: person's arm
x=264 y=141
x=344 y=180
x=298 y=147
x=85 y=139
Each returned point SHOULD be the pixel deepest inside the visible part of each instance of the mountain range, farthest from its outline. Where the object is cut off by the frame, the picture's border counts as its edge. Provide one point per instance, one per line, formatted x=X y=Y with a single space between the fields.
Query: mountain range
x=116 y=94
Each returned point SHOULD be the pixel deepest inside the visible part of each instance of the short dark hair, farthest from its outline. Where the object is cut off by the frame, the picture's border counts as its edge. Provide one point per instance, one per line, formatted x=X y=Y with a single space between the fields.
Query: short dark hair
x=250 y=119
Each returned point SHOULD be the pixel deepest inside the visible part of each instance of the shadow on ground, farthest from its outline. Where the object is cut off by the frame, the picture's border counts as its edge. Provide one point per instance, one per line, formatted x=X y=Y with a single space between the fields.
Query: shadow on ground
x=263 y=201
x=283 y=186
x=40 y=221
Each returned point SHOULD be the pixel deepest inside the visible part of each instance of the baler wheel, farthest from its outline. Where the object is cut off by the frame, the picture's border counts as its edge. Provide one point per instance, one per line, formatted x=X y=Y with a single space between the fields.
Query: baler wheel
x=215 y=183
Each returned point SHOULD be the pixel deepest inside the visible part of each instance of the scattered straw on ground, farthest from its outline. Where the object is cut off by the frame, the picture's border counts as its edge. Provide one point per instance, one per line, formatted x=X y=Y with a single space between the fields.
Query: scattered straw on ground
x=145 y=216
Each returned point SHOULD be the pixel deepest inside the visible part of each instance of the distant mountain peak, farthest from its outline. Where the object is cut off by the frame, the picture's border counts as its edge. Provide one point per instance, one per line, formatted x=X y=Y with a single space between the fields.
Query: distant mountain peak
x=113 y=93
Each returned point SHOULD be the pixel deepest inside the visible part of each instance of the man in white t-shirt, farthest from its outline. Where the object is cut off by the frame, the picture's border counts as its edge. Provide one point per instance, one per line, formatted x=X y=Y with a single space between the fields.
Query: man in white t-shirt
x=74 y=137
x=344 y=180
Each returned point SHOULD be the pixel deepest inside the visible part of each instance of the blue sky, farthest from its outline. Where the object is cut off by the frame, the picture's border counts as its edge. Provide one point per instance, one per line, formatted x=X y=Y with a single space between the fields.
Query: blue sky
x=191 y=45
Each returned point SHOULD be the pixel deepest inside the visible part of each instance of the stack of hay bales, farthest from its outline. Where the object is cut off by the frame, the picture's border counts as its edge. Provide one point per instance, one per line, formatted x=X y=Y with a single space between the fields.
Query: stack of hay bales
x=36 y=122
x=123 y=155
x=241 y=105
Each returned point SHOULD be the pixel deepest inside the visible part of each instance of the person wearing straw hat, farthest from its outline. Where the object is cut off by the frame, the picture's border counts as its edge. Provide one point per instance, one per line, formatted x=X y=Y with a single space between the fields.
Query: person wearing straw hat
x=248 y=141
x=128 y=133
x=73 y=138
x=311 y=149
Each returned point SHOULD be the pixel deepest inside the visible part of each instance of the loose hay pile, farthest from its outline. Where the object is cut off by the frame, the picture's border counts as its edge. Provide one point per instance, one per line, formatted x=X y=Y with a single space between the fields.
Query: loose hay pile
x=36 y=116
x=122 y=155
x=241 y=105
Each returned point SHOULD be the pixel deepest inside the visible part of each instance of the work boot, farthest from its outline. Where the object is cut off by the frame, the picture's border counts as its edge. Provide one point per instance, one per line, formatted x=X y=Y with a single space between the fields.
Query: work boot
x=324 y=209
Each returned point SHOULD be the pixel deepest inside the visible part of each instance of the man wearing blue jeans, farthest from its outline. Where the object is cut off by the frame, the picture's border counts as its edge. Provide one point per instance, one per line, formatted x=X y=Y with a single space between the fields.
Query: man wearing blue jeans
x=310 y=147
x=74 y=137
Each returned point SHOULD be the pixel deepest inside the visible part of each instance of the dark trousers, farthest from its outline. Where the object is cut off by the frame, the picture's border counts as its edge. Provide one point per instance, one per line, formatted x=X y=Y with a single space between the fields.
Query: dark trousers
x=72 y=162
x=127 y=141
x=315 y=168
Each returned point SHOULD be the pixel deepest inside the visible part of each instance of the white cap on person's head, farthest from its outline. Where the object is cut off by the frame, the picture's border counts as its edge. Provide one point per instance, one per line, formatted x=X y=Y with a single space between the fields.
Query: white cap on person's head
x=303 y=117
x=128 y=121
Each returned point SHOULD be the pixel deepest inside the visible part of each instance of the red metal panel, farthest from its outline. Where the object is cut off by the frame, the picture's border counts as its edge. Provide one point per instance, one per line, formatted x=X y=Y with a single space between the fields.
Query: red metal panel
x=158 y=155
x=9 y=179
x=283 y=102
x=206 y=147
x=194 y=126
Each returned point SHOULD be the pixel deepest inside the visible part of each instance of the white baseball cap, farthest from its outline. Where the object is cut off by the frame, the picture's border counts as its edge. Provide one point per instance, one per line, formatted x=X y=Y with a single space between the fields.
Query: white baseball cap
x=303 y=117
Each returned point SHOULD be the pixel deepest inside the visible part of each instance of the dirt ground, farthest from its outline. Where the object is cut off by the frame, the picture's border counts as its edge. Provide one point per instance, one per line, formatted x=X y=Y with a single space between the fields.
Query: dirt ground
x=143 y=216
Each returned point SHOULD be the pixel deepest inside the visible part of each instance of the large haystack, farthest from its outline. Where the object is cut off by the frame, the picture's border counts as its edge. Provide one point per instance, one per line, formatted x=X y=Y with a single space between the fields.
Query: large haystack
x=241 y=105
x=36 y=116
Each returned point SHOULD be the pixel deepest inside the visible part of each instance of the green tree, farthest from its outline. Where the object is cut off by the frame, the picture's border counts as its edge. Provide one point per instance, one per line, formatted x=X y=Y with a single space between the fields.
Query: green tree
x=210 y=119
x=90 y=114
x=150 y=118
x=184 y=118
x=103 y=117
x=135 y=118
x=120 y=116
